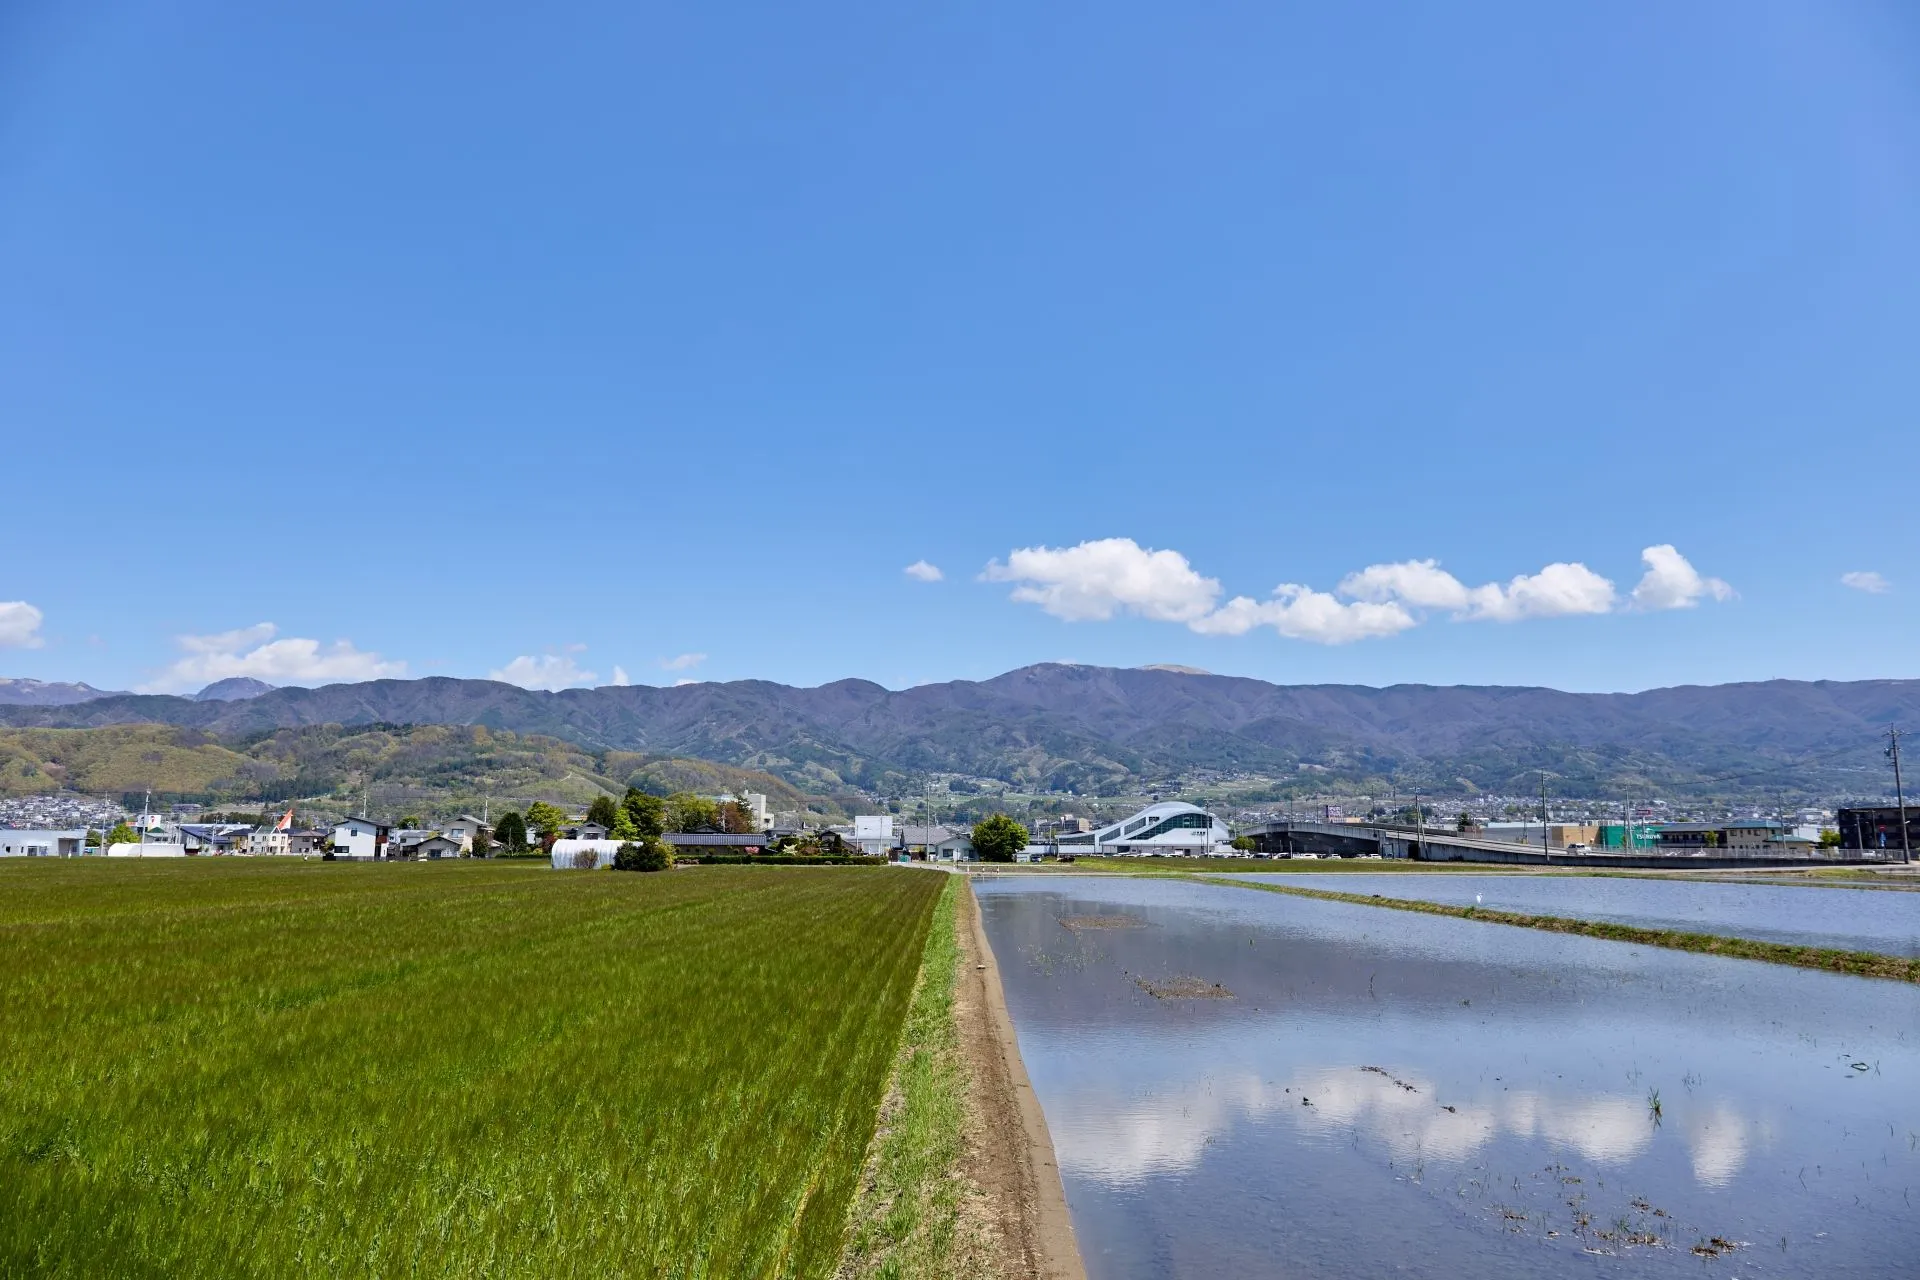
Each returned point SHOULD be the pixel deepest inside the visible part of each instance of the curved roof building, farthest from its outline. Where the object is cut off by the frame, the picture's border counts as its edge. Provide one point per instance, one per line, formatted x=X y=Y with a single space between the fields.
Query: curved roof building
x=1172 y=828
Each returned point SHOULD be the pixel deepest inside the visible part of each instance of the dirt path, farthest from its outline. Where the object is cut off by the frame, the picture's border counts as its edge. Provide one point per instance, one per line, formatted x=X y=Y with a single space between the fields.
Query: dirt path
x=1009 y=1153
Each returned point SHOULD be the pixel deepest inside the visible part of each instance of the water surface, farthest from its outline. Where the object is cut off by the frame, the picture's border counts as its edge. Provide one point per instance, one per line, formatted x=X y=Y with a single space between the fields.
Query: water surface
x=1372 y=1093
x=1798 y=915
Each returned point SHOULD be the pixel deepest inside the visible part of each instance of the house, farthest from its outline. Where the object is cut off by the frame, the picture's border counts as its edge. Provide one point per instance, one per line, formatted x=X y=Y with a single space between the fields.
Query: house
x=433 y=847
x=919 y=841
x=401 y=843
x=305 y=843
x=955 y=847
x=416 y=844
x=584 y=831
x=466 y=829
x=360 y=839
x=269 y=842
x=215 y=837
x=873 y=834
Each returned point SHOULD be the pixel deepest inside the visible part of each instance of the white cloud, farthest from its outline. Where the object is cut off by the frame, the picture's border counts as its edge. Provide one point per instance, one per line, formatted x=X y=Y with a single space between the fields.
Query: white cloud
x=685 y=662
x=1300 y=613
x=1860 y=580
x=1556 y=591
x=1672 y=583
x=922 y=571
x=686 y=681
x=620 y=680
x=1095 y=580
x=551 y=671
x=19 y=625
x=1420 y=583
x=252 y=651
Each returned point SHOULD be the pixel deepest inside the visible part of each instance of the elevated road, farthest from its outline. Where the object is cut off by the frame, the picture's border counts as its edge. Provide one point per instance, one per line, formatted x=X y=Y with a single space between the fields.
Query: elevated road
x=1347 y=840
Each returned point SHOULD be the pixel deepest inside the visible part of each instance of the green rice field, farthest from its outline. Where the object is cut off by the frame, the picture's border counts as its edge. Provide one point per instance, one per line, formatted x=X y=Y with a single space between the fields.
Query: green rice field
x=249 y=1068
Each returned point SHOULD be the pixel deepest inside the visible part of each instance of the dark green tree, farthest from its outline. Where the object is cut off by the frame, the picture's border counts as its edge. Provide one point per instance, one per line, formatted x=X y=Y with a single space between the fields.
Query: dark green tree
x=648 y=854
x=998 y=838
x=604 y=811
x=646 y=813
x=511 y=832
x=689 y=812
x=412 y=822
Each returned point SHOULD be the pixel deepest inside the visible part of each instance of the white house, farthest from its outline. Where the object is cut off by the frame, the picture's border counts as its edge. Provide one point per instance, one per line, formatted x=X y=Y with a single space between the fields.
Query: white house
x=873 y=833
x=359 y=839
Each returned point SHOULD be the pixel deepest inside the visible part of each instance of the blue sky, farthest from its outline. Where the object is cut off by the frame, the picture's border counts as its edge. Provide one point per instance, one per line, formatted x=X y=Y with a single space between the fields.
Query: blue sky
x=463 y=338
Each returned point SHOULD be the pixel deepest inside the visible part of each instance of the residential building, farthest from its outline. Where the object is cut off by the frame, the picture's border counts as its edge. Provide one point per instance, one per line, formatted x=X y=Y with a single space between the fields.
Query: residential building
x=204 y=838
x=1734 y=838
x=306 y=842
x=269 y=842
x=360 y=839
x=1877 y=829
x=873 y=834
x=466 y=829
x=584 y=831
x=414 y=845
x=957 y=847
x=919 y=841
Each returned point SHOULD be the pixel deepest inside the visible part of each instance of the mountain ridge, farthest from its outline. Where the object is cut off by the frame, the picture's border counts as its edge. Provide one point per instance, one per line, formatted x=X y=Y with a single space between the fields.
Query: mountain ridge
x=1061 y=726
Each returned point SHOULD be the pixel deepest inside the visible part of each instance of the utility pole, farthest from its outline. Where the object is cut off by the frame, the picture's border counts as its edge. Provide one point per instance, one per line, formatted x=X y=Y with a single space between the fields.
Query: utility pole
x=1543 y=816
x=1899 y=794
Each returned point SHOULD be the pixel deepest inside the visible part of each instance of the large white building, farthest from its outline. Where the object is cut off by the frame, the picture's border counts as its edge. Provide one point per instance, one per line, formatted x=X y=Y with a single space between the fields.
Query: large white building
x=873 y=832
x=1171 y=829
x=42 y=843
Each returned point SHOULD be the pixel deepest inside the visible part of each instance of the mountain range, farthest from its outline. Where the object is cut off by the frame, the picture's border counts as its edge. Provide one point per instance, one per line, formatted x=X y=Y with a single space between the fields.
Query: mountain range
x=1107 y=730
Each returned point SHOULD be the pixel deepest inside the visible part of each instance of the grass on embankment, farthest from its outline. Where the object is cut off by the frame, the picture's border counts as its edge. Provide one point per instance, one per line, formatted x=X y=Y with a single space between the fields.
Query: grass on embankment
x=907 y=1217
x=1865 y=964
x=267 y=1069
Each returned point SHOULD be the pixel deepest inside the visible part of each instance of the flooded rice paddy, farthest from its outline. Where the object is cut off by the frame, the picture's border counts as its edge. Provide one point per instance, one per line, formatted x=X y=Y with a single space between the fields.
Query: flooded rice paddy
x=1852 y=920
x=1248 y=1084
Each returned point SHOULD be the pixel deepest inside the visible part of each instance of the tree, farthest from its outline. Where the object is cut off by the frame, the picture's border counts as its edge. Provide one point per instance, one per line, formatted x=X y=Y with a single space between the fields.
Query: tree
x=1243 y=843
x=689 y=812
x=122 y=834
x=603 y=812
x=92 y=839
x=647 y=854
x=736 y=819
x=511 y=832
x=412 y=822
x=646 y=813
x=482 y=847
x=1465 y=823
x=545 y=819
x=1829 y=837
x=998 y=838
